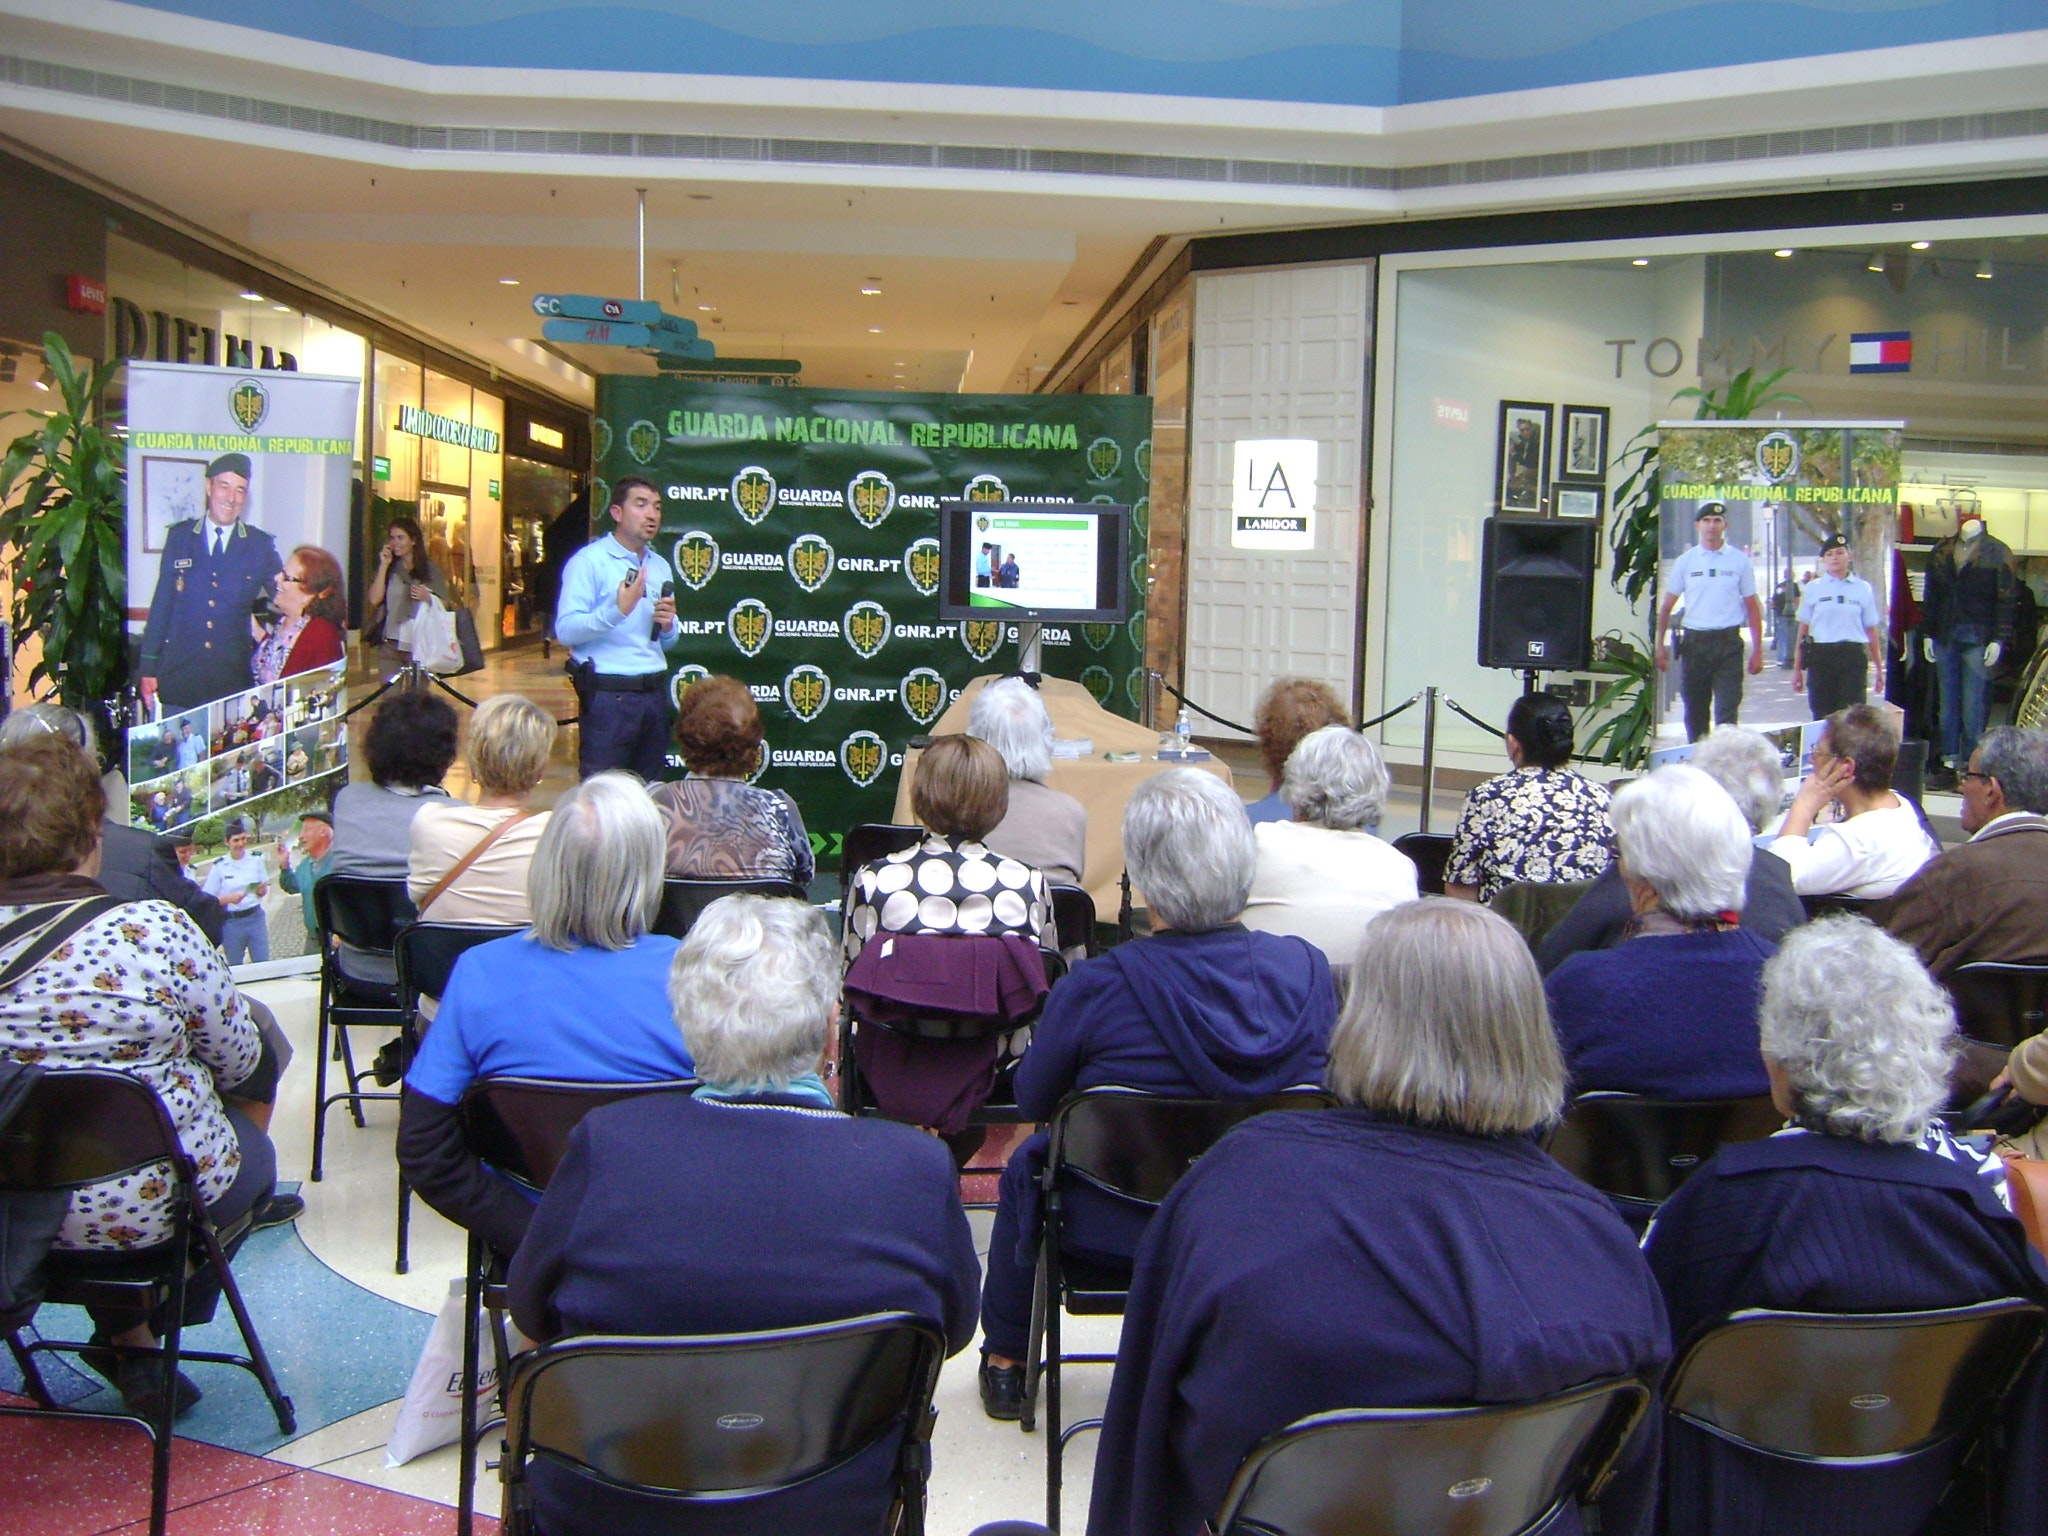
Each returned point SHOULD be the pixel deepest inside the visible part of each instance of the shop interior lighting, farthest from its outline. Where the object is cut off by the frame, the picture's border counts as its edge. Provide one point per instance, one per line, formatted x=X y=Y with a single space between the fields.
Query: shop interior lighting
x=1984 y=269
x=47 y=379
x=1783 y=251
x=252 y=296
x=1875 y=264
x=1922 y=245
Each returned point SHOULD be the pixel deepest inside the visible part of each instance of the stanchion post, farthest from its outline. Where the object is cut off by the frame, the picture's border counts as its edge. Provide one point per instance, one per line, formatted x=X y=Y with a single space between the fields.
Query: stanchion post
x=1428 y=755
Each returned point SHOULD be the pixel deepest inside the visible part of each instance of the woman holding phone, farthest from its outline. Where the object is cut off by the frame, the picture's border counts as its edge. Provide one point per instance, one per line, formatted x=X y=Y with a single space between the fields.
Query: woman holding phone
x=405 y=578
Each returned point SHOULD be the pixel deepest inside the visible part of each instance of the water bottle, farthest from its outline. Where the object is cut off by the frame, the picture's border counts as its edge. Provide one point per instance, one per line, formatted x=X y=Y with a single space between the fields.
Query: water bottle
x=1184 y=730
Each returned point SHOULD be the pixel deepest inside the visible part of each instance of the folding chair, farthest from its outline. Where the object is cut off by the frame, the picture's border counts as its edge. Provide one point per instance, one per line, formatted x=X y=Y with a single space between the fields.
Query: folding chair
x=1500 y=1470
x=1856 y=1390
x=1637 y=1151
x=1876 y=908
x=1135 y=1146
x=358 y=921
x=520 y=1126
x=683 y=901
x=425 y=955
x=868 y=841
x=1431 y=851
x=2000 y=1003
x=1073 y=920
x=728 y=1420
x=84 y=1127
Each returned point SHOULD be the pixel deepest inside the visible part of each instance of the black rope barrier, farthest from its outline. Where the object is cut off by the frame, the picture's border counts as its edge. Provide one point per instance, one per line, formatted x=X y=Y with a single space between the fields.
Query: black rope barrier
x=1205 y=714
x=453 y=692
x=1465 y=714
x=1413 y=700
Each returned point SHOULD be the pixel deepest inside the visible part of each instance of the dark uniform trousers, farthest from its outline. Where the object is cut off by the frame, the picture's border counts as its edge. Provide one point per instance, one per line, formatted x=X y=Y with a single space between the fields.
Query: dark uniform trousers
x=1712 y=659
x=197 y=643
x=625 y=725
x=1835 y=676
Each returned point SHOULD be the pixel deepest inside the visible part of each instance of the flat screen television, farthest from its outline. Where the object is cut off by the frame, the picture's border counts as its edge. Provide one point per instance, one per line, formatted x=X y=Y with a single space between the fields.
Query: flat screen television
x=1059 y=562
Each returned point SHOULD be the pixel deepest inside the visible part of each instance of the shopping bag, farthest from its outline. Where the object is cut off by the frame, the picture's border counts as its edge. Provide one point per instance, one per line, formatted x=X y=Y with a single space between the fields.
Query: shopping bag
x=434 y=644
x=466 y=638
x=431 y=1415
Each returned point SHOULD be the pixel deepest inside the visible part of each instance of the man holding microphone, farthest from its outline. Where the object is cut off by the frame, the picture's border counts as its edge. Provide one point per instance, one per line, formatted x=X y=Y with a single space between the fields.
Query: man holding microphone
x=617 y=615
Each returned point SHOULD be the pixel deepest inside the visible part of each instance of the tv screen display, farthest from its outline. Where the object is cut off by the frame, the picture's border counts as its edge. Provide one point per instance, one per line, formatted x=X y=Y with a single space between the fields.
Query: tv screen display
x=1057 y=561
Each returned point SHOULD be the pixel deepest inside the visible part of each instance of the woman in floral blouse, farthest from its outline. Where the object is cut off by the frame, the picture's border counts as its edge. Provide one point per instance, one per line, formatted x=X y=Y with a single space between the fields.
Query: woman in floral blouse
x=1539 y=822
x=138 y=989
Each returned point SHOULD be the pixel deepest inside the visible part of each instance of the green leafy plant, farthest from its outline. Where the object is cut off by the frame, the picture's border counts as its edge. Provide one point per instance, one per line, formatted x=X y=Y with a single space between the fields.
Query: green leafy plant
x=64 y=490
x=1634 y=540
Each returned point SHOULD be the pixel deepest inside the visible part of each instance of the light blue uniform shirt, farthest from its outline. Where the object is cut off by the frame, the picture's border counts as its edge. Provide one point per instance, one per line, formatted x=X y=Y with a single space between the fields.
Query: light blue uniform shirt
x=587 y=617
x=1714 y=584
x=1838 y=608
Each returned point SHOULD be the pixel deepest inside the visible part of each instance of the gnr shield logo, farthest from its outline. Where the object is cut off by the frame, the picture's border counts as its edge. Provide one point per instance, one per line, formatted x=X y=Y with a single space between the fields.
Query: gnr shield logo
x=749 y=625
x=921 y=566
x=863 y=755
x=696 y=559
x=810 y=562
x=1105 y=458
x=923 y=693
x=805 y=691
x=753 y=493
x=685 y=675
x=872 y=497
x=643 y=441
x=866 y=627
x=986 y=488
x=248 y=403
x=981 y=637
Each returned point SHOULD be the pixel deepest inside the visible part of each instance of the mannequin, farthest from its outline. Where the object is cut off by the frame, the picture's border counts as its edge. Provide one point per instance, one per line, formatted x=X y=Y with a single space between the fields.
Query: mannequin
x=1967 y=627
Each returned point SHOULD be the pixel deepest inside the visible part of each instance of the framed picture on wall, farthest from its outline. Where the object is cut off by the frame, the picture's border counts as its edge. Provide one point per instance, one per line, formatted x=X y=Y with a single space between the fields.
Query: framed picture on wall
x=1577 y=500
x=172 y=490
x=1521 y=472
x=1582 y=443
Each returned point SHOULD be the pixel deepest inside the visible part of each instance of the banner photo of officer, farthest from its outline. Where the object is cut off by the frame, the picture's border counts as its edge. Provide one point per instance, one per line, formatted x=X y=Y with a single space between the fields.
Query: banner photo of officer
x=1775 y=577
x=238 y=504
x=801 y=528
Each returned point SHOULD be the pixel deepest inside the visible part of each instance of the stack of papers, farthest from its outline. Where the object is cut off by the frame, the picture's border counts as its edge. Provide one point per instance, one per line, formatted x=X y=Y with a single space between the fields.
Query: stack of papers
x=1082 y=746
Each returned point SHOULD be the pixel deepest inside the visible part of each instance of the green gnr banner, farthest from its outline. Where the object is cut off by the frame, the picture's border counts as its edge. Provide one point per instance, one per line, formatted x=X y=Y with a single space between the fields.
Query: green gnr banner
x=803 y=528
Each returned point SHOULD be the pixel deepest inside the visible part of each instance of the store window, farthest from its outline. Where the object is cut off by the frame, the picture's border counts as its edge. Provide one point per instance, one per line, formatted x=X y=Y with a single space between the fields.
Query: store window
x=1944 y=328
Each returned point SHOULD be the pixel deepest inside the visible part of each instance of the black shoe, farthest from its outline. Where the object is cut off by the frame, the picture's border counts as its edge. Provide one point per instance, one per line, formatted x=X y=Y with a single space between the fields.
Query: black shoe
x=1940 y=777
x=140 y=1379
x=278 y=1211
x=1002 y=1390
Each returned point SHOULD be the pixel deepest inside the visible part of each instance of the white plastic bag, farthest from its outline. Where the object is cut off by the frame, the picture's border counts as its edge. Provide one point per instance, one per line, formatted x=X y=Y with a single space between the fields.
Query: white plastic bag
x=434 y=642
x=431 y=1415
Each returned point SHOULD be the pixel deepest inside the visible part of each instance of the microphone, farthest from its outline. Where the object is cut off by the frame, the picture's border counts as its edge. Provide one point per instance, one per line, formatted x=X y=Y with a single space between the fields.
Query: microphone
x=668 y=589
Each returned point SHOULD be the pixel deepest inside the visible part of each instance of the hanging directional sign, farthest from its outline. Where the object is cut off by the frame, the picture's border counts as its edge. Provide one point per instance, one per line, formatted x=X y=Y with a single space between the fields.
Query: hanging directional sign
x=614 y=333
x=590 y=320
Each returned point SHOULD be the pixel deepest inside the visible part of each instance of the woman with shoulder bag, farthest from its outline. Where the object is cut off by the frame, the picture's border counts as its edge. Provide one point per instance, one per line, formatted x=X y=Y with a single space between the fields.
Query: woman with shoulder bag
x=469 y=862
x=405 y=577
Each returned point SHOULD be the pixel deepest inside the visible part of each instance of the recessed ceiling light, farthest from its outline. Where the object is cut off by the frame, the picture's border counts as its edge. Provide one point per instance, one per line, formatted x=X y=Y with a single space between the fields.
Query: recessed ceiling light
x=871 y=287
x=1783 y=251
x=874 y=330
x=707 y=306
x=1640 y=261
x=1921 y=245
x=253 y=298
x=508 y=282
x=282 y=309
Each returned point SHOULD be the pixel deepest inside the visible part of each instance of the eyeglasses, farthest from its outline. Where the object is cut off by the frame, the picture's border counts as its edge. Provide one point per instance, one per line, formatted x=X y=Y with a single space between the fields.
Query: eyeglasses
x=1971 y=773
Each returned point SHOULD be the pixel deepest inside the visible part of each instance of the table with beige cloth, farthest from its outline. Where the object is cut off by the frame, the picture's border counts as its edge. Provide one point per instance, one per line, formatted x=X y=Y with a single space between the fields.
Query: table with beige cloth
x=1103 y=787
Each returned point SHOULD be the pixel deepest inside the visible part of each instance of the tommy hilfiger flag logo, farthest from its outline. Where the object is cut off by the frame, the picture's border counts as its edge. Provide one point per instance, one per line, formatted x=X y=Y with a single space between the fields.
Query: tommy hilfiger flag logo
x=1881 y=352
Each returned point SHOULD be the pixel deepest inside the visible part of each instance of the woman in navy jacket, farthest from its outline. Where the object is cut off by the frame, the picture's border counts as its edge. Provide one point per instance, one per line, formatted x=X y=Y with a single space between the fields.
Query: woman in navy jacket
x=1862 y=1204
x=753 y=1205
x=1202 y=1009
x=1415 y=1248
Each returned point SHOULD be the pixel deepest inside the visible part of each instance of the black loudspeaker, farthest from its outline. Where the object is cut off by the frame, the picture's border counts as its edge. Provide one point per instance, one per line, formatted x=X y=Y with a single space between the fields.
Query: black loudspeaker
x=1536 y=593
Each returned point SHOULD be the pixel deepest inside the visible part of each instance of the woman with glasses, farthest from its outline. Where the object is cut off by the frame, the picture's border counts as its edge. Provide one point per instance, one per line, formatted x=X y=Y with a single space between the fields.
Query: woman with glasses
x=312 y=631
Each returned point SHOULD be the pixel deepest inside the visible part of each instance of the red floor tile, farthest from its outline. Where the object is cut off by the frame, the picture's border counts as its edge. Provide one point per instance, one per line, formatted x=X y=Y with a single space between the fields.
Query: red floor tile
x=75 y=1477
x=314 y=1504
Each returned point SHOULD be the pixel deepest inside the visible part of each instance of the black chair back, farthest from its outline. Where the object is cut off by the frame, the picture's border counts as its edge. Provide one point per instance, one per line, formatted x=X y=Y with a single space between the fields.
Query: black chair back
x=1491 y=1471
x=1139 y=1144
x=724 y=1416
x=684 y=901
x=1999 y=1003
x=1640 y=1150
x=84 y=1127
x=521 y=1125
x=362 y=913
x=1875 y=908
x=1909 y=769
x=1431 y=851
x=427 y=952
x=1811 y=1387
x=872 y=840
x=1073 y=918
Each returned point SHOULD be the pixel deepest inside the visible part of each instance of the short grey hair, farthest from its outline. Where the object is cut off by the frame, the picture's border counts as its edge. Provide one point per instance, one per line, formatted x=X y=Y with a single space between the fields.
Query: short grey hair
x=596 y=872
x=1336 y=778
x=1744 y=763
x=1865 y=1036
x=1680 y=833
x=752 y=988
x=1009 y=715
x=33 y=720
x=1446 y=1024
x=1188 y=845
x=2016 y=757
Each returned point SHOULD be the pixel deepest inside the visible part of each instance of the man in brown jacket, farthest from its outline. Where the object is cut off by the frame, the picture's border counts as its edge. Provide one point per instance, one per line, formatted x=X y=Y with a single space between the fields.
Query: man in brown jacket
x=1988 y=898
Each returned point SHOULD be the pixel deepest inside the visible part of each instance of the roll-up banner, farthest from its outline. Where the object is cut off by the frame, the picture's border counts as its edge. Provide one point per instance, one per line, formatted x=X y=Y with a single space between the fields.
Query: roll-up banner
x=1783 y=490
x=238 y=501
x=803 y=527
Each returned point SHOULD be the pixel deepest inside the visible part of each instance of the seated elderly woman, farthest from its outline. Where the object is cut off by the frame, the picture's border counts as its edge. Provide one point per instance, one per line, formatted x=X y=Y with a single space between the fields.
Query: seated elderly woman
x=1671 y=1012
x=411 y=746
x=1744 y=763
x=134 y=987
x=1289 y=711
x=1324 y=875
x=581 y=996
x=817 y=1215
x=469 y=860
x=1316 y=1261
x=1204 y=1008
x=1881 y=842
x=1540 y=822
x=1863 y=1204
x=720 y=827
x=1043 y=828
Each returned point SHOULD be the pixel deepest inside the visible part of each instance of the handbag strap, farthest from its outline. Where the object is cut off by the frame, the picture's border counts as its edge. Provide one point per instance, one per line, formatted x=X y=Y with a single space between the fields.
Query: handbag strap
x=35 y=935
x=468 y=859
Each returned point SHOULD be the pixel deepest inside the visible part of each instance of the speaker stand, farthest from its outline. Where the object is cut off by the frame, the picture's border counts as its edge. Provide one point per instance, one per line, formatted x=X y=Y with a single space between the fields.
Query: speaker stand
x=1528 y=681
x=1028 y=646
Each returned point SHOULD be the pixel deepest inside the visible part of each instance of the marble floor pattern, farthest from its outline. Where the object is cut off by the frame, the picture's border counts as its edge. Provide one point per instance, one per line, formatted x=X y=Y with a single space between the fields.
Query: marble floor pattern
x=344 y=1332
